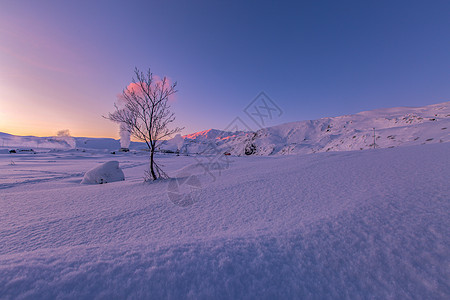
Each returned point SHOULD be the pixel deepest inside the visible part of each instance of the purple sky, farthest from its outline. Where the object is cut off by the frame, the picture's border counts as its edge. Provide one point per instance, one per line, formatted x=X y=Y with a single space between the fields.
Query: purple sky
x=62 y=63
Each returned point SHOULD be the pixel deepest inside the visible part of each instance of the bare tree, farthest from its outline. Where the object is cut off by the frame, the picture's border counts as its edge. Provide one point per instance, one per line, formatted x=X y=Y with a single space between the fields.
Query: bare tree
x=146 y=113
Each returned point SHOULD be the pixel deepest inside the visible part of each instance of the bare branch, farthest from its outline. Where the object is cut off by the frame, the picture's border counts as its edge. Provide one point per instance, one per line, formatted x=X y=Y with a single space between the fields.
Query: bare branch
x=147 y=114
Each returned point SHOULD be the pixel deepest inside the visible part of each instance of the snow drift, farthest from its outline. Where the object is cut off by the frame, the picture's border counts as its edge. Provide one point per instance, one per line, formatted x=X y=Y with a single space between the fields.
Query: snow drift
x=104 y=173
x=355 y=225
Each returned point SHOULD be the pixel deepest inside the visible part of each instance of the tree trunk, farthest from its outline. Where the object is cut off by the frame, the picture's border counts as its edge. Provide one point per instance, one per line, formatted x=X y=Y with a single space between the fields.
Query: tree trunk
x=152 y=162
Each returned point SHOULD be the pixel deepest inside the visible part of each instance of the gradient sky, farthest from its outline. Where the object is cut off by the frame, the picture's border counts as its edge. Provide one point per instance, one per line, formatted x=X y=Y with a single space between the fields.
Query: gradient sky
x=62 y=63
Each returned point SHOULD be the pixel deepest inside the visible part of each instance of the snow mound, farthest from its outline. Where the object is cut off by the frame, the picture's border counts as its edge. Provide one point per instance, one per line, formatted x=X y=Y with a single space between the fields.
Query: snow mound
x=104 y=173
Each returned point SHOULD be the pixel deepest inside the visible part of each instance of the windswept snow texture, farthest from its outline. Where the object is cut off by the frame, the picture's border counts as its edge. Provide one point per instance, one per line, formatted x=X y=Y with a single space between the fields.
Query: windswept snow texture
x=402 y=126
x=104 y=173
x=356 y=225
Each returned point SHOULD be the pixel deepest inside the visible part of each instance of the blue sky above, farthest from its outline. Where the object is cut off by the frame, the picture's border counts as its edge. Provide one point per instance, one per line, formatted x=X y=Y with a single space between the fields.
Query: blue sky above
x=63 y=63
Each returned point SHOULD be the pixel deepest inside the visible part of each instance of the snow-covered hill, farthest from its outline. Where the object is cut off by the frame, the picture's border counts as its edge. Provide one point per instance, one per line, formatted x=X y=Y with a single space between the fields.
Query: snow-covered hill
x=402 y=126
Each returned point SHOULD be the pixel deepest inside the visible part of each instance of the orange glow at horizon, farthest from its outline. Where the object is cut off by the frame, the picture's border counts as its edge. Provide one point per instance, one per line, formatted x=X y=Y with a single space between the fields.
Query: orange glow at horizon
x=48 y=83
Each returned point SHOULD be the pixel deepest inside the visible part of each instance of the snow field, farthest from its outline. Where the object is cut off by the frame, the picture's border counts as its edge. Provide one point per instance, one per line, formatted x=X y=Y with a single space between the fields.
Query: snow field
x=362 y=224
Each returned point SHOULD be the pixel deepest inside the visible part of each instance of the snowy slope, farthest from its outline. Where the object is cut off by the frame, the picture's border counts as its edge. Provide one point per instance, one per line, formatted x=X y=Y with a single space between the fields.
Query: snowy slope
x=402 y=126
x=356 y=224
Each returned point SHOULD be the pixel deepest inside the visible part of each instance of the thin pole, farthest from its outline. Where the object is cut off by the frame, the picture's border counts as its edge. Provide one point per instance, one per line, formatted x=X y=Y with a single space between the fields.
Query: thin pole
x=374 y=138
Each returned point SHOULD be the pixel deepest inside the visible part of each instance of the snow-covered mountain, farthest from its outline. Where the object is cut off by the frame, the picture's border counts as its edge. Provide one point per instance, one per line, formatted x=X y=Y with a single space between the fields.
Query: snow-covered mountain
x=56 y=142
x=401 y=126
x=62 y=142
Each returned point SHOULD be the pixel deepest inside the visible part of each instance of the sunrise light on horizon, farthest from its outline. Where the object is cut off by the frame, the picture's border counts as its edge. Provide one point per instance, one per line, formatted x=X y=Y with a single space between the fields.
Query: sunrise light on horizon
x=64 y=63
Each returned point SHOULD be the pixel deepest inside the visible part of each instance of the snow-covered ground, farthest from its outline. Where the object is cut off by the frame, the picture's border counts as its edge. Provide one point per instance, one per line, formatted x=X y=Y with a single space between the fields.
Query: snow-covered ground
x=354 y=224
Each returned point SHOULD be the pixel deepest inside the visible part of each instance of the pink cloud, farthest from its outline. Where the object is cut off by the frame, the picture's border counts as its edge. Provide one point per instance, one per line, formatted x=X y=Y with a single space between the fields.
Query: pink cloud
x=136 y=88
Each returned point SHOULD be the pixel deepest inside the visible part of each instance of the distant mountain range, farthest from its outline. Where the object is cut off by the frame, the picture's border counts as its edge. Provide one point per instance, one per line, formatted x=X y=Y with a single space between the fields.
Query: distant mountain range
x=392 y=127
x=62 y=143
x=380 y=128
